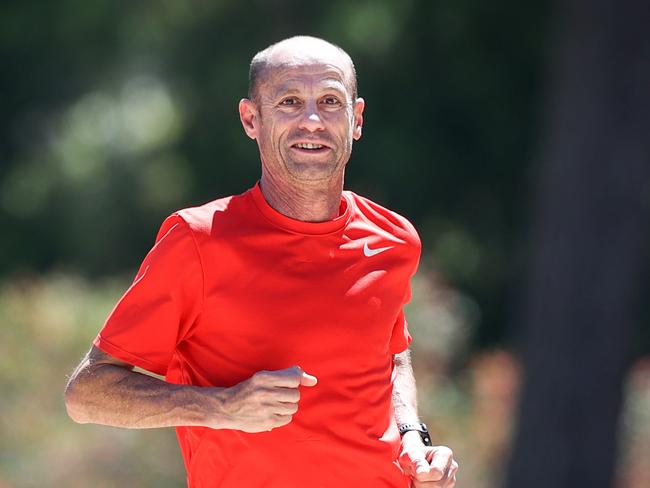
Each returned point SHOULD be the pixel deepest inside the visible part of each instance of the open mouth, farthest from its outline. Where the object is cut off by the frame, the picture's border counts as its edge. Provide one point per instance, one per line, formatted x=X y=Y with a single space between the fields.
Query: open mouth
x=309 y=147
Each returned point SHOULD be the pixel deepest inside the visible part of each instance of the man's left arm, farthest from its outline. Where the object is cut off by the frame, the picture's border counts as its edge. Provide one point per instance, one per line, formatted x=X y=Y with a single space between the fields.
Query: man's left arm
x=428 y=466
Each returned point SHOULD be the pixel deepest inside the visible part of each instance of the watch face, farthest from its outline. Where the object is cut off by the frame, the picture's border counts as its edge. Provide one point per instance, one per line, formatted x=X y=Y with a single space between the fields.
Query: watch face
x=426 y=439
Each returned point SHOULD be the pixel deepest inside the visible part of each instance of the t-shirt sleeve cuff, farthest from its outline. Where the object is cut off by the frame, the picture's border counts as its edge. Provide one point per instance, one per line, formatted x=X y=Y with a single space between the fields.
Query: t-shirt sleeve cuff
x=127 y=357
x=401 y=340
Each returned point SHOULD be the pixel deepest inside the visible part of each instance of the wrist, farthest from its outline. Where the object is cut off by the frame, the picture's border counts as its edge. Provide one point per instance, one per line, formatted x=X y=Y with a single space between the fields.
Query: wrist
x=206 y=407
x=411 y=437
x=418 y=428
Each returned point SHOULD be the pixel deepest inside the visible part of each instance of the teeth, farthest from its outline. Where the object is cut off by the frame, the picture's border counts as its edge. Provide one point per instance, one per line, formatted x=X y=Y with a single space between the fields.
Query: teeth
x=308 y=145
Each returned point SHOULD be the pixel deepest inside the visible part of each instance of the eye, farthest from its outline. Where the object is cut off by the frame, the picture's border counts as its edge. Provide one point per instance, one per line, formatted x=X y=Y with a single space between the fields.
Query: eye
x=331 y=100
x=289 y=102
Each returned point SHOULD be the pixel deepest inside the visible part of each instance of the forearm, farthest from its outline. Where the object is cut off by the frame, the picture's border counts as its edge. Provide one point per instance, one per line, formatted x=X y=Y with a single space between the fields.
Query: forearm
x=404 y=390
x=115 y=395
x=105 y=390
x=405 y=401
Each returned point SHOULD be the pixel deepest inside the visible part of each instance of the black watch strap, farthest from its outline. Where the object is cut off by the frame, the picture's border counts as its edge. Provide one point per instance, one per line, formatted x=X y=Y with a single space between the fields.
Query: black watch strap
x=420 y=428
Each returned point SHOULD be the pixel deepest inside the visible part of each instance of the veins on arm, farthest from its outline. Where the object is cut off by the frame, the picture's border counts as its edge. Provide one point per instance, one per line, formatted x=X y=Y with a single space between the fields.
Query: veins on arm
x=105 y=390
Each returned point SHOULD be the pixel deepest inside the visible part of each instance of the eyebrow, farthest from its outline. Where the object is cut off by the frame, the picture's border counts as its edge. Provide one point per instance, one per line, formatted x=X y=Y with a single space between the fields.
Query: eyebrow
x=289 y=87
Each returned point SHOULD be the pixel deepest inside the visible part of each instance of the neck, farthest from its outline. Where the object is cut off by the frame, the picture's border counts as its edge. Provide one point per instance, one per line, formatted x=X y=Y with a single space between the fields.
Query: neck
x=312 y=202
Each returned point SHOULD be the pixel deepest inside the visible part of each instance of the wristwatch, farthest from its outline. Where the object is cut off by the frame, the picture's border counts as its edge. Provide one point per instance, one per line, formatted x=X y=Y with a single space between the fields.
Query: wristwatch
x=420 y=428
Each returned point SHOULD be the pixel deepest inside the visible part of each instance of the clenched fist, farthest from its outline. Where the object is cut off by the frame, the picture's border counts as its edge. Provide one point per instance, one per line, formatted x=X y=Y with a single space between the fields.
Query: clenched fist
x=266 y=400
x=429 y=467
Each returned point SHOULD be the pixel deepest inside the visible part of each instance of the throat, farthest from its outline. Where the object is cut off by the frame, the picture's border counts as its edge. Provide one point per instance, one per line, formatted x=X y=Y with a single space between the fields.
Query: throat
x=304 y=203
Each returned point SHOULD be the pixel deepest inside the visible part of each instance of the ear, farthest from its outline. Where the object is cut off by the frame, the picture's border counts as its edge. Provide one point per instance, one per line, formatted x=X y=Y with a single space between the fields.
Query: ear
x=249 y=116
x=357 y=112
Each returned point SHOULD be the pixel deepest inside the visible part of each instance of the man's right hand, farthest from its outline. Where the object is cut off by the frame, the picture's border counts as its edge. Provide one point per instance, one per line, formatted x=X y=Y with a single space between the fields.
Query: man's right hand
x=266 y=400
x=105 y=390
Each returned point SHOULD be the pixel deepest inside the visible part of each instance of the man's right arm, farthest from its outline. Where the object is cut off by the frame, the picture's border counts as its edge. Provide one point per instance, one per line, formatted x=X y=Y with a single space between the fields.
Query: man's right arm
x=105 y=390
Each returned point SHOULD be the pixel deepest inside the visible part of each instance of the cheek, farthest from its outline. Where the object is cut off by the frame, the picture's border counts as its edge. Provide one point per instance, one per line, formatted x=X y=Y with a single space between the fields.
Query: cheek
x=270 y=134
x=277 y=130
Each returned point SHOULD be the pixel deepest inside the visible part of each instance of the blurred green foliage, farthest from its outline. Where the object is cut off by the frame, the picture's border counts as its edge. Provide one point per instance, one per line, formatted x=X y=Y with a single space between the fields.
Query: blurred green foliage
x=47 y=325
x=117 y=113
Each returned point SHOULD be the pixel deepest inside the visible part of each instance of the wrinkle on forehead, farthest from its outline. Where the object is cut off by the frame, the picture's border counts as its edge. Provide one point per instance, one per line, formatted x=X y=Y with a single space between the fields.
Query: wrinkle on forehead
x=286 y=77
x=307 y=53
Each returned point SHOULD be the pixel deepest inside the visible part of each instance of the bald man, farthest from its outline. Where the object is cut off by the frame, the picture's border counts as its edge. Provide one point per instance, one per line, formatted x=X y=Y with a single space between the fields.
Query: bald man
x=276 y=316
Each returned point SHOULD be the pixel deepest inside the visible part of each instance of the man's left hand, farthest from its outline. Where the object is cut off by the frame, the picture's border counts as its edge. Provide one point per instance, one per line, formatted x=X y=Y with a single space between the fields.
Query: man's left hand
x=428 y=466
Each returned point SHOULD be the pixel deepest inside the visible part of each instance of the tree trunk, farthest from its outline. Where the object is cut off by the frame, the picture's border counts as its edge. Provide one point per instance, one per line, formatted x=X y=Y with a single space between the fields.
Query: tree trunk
x=592 y=214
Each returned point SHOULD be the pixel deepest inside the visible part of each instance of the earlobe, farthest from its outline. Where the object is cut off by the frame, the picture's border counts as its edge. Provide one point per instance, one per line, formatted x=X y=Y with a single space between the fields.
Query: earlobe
x=357 y=133
x=359 y=105
x=248 y=116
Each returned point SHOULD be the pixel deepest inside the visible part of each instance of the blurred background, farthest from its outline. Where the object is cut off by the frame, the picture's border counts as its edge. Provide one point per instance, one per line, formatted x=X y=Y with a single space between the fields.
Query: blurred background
x=514 y=135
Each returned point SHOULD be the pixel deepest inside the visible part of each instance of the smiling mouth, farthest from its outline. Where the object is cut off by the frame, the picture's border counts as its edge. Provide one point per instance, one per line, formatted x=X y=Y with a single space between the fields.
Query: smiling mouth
x=309 y=147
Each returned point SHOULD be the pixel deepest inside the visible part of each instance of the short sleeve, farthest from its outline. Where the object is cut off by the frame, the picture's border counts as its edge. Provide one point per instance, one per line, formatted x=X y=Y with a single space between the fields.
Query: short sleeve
x=400 y=338
x=162 y=303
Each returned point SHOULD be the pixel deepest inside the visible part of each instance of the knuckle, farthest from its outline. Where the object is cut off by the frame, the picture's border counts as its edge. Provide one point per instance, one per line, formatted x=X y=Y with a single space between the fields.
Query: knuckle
x=261 y=375
x=260 y=394
x=445 y=451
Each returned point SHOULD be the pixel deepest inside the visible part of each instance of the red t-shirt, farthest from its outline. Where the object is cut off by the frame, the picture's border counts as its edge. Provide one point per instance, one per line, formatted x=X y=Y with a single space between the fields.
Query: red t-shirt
x=234 y=287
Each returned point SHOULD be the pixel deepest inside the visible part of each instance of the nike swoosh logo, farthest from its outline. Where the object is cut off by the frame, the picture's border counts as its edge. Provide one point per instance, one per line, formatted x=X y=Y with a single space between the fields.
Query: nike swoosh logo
x=367 y=252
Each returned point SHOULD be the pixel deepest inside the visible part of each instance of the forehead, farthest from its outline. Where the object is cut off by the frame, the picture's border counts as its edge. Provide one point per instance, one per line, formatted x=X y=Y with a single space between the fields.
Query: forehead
x=300 y=59
x=300 y=76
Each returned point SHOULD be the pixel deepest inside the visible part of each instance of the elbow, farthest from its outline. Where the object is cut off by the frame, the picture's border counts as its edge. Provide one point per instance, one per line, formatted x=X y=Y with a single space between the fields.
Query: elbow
x=74 y=404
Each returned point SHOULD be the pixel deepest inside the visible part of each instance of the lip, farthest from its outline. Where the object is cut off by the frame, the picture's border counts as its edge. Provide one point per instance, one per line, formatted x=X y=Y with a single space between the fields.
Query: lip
x=310 y=152
x=303 y=141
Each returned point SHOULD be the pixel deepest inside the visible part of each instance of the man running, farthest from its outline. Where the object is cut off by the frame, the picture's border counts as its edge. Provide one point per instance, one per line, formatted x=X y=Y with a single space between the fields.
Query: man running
x=276 y=316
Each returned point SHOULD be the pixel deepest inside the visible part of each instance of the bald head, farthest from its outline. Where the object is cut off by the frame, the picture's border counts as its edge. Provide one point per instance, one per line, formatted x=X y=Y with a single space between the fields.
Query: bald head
x=299 y=51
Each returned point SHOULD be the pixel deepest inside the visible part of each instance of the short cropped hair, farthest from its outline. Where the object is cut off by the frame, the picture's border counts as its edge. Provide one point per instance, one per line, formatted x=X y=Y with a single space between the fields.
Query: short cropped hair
x=260 y=63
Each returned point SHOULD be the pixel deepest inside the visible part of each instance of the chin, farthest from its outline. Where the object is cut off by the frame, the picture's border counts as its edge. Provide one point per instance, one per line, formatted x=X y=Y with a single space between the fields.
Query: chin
x=313 y=172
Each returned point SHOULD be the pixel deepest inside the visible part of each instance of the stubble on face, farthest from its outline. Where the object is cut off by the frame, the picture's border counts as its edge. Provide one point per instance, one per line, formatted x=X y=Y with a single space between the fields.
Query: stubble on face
x=304 y=115
x=318 y=85
x=284 y=129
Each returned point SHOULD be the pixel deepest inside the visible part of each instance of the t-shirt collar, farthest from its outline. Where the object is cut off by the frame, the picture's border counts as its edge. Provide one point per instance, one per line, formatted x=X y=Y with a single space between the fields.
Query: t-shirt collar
x=299 y=226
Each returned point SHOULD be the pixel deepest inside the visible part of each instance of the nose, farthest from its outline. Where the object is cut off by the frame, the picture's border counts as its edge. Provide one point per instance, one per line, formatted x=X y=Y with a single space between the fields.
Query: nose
x=311 y=119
